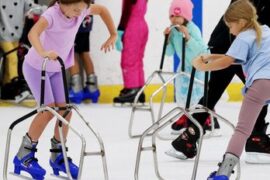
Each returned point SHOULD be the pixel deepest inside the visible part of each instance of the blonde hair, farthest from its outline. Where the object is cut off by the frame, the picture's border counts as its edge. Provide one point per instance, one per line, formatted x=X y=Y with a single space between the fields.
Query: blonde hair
x=243 y=9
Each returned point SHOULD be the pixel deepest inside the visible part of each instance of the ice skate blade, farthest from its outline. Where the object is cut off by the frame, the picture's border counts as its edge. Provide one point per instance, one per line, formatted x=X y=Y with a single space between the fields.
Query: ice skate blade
x=21 y=176
x=128 y=104
x=23 y=96
x=60 y=176
x=214 y=133
x=257 y=158
x=176 y=154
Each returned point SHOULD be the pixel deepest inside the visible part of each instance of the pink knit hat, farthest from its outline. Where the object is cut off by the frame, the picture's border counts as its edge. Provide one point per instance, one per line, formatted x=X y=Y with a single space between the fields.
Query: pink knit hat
x=182 y=8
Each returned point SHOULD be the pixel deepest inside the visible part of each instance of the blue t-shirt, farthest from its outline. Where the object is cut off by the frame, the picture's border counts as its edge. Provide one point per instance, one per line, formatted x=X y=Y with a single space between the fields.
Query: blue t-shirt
x=255 y=59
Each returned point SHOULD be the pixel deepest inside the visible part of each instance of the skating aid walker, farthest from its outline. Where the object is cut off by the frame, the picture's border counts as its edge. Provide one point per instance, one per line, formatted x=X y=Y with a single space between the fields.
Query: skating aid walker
x=53 y=111
x=166 y=79
x=171 y=117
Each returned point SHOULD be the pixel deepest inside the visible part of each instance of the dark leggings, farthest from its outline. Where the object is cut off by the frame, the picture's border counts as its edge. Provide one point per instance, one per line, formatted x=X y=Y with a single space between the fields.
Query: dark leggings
x=219 y=80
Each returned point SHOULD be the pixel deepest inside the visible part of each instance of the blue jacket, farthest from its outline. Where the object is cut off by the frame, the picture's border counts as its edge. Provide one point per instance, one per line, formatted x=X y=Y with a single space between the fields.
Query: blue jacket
x=194 y=47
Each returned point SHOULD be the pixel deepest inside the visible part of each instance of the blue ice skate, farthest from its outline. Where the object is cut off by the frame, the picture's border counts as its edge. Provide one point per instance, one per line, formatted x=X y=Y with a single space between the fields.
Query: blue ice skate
x=213 y=176
x=91 y=95
x=59 y=165
x=75 y=97
x=30 y=165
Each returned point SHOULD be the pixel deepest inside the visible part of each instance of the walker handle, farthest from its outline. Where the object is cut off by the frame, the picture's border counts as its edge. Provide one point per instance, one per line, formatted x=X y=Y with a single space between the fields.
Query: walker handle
x=43 y=74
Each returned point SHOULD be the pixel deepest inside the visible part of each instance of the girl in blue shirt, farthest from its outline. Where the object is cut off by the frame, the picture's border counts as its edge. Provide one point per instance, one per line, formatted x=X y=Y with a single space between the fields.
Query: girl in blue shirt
x=250 y=49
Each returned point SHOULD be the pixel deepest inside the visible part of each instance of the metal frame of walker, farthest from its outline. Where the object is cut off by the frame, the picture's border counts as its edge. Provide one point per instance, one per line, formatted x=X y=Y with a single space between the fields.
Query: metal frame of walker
x=160 y=73
x=171 y=117
x=53 y=110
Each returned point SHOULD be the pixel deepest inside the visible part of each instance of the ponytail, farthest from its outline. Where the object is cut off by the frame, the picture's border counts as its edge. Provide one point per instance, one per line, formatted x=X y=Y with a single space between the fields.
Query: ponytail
x=258 y=30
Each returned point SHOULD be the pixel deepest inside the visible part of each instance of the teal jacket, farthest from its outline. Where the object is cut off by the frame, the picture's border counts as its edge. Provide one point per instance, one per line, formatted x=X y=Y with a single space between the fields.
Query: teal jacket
x=194 y=47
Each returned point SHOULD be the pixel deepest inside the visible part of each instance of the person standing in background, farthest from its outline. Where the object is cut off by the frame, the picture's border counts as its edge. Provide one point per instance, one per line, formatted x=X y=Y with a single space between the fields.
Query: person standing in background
x=132 y=38
x=12 y=15
x=78 y=93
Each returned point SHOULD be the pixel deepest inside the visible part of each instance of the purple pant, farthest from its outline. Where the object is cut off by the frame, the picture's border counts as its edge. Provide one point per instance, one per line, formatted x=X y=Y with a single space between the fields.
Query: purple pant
x=254 y=100
x=54 y=88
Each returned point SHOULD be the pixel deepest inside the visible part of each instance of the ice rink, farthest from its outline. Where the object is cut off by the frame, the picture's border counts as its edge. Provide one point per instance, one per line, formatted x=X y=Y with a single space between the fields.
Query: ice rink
x=112 y=124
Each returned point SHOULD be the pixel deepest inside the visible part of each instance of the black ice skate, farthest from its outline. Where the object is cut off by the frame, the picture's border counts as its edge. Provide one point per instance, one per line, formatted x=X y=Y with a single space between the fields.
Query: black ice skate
x=127 y=96
x=180 y=125
x=17 y=93
x=184 y=146
x=258 y=148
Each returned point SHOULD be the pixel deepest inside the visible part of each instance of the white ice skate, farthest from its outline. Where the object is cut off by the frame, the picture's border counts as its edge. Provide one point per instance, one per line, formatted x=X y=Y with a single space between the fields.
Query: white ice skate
x=257 y=158
x=176 y=154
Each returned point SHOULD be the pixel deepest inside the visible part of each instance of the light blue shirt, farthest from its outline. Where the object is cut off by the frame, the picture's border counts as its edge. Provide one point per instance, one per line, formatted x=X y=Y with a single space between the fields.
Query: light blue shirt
x=255 y=59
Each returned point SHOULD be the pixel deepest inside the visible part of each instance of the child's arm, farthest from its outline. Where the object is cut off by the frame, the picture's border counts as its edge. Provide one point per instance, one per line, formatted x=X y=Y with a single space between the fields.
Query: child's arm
x=195 y=42
x=34 y=38
x=212 y=62
x=103 y=12
x=170 y=50
x=211 y=57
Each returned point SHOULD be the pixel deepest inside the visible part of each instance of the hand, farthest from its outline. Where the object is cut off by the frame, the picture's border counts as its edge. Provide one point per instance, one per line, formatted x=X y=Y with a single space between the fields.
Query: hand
x=167 y=31
x=109 y=44
x=119 y=44
x=184 y=30
x=198 y=62
x=51 y=55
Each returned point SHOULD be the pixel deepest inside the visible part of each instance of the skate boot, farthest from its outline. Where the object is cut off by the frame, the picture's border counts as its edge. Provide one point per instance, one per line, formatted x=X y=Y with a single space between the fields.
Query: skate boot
x=24 y=94
x=25 y=160
x=184 y=146
x=128 y=96
x=225 y=168
x=91 y=91
x=208 y=128
x=14 y=89
x=57 y=160
x=180 y=125
x=258 y=148
x=213 y=176
x=76 y=91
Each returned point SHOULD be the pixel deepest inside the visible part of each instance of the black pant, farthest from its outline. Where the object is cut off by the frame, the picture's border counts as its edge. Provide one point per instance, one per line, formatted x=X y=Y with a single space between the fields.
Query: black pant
x=219 y=80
